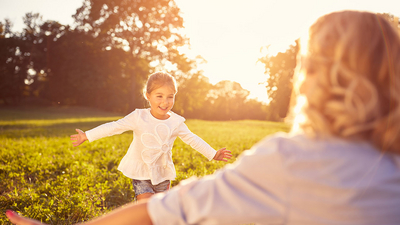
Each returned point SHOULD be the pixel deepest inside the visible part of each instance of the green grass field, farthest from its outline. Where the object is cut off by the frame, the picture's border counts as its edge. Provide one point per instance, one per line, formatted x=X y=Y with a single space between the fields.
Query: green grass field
x=43 y=176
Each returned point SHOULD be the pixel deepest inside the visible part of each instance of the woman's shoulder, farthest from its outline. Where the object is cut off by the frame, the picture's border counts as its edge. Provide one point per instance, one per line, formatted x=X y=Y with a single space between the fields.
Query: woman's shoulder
x=301 y=151
x=300 y=144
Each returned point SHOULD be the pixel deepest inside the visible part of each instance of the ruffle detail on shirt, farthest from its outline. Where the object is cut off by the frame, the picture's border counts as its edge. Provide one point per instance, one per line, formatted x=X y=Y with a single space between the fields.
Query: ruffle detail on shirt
x=177 y=120
x=159 y=174
x=134 y=169
x=140 y=170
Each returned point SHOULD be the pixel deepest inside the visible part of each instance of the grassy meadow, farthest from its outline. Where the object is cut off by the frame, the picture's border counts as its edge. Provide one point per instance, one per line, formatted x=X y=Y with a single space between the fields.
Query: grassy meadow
x=43 y=176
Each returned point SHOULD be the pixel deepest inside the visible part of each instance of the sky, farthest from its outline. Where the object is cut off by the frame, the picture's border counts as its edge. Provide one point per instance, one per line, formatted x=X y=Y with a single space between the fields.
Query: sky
x=228 y=34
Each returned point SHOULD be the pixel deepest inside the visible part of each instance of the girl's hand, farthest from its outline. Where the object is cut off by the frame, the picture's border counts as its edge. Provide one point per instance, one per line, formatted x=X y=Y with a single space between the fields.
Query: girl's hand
x=223 y=155
x=78 y=138
x=19 y=220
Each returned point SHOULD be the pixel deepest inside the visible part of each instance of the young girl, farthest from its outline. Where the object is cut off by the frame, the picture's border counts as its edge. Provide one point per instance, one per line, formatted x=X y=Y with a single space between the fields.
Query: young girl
x=341 y=167
x=148 y=161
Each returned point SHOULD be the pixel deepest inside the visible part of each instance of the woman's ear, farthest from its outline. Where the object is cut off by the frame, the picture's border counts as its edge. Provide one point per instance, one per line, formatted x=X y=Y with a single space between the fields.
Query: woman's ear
x=147 y=96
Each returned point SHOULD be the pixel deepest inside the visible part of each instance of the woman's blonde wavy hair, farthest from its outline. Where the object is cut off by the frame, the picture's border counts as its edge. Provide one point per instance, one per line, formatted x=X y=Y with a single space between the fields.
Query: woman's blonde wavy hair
x=355 y=60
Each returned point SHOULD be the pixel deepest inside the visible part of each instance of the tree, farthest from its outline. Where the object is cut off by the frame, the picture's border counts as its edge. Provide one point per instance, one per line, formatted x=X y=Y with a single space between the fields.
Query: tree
x=105 y=61
x=149 y=29
x=192 y=92
x=79 y=72
x=15 y=62
x=280 y=70
x=225 y=101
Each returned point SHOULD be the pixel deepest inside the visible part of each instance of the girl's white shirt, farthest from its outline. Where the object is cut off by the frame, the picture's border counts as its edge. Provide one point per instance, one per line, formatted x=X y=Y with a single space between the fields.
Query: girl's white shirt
x=149 y=156
x=288 y=179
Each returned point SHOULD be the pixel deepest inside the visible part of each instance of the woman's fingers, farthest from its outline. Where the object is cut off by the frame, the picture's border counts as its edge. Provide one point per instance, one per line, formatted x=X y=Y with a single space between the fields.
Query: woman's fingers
x=19 y=220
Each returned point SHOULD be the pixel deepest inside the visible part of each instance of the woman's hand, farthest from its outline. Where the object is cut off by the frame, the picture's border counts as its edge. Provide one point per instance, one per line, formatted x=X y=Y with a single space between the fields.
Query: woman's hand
x=223 y=155
x=134 y=213
x=78 y=138
x=19 y=220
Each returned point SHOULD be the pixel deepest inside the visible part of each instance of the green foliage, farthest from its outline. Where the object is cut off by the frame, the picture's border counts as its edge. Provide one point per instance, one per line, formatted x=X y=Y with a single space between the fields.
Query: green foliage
x=43 y=176
x=280 y=70
x=227 y=100
x=13 y=65
x=192 y=89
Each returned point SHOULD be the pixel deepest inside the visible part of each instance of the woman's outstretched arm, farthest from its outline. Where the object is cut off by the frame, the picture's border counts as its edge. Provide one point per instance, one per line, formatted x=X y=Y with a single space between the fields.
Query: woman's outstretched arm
x=130 y=214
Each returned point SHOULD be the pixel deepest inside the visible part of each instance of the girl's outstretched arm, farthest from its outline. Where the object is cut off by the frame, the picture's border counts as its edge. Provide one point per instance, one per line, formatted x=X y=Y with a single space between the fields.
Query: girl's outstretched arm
x=78 y=138
x=130 y=214
x=223 y=155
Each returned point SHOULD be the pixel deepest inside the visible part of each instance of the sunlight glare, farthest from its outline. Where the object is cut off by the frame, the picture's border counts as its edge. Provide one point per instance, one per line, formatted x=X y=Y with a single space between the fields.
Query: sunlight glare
x=301 y=101
x=299 y=117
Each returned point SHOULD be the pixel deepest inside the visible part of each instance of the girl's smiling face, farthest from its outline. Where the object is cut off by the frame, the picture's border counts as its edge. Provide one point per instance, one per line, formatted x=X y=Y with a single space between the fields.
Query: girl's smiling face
x=161 y=101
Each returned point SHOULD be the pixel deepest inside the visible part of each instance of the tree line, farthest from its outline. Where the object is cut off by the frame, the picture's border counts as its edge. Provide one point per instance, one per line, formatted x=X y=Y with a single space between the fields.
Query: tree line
x=104 y=58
